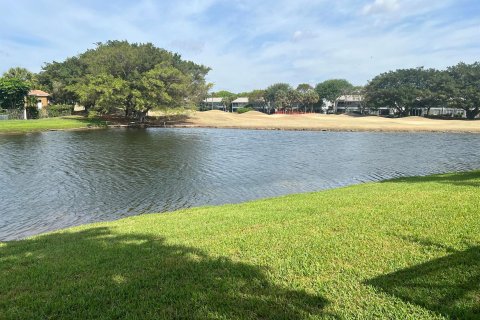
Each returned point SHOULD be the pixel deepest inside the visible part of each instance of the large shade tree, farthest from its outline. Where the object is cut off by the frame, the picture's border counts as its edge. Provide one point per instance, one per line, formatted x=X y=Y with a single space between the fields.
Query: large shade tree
x=330 y=90
x=118 y=75
x=272 y=92
x=58 y=77
x=164 y=86
x=400 y=90
x=464 y=89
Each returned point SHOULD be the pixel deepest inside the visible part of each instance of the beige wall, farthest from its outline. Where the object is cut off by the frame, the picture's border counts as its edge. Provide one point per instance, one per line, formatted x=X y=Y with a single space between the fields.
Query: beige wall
x=44 y=101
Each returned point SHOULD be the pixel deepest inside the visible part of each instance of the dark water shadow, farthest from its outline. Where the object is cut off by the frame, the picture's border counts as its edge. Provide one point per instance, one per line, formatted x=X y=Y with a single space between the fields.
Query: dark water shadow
x=449 y=285
x=470 y=179
x=100 y=274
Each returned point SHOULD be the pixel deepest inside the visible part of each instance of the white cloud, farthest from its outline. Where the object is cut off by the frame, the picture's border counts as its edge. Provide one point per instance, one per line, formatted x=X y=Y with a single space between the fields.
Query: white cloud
x=381 y=6
x=303 y=35
x=251 y=44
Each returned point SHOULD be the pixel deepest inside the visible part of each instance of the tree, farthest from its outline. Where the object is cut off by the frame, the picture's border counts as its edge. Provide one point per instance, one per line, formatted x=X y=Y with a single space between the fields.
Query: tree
x=256 y=98
x=163 y=86
x=304 y=87
x=13 y=92
x=57 y=77
x=120 y=75
x=103 y=93
x=23 y=74
x=400 y=90
x=281 y=99
x=434 y=90
x=271 y=91
x=310 y=97
x=294 y=99
x=330 y=90
x=464 y=89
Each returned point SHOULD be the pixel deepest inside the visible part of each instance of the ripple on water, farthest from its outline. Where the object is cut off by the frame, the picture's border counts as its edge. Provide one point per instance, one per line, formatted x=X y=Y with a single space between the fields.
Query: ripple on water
x=59 y=179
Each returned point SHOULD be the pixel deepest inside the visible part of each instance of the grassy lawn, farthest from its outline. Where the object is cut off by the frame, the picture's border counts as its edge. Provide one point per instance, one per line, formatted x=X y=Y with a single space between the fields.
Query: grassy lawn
x=23 y=126
x=400 y=249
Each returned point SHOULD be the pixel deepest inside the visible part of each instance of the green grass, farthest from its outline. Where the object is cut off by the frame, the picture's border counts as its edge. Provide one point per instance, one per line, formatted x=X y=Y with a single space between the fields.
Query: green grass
x=400 y=249
x=62 y=123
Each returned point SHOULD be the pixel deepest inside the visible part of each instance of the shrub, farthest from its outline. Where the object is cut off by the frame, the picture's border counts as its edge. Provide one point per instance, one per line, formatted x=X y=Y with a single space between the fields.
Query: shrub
x=92 y=114
x=59 y=110
x=32 y=112
x=244 y=109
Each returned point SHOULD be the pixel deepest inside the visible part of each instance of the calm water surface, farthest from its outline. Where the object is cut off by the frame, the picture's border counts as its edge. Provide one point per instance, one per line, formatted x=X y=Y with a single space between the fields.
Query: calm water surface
x=58 y=179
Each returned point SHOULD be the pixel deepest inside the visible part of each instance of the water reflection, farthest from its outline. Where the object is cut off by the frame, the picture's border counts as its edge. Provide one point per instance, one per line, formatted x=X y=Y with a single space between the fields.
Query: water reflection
x=58 y=179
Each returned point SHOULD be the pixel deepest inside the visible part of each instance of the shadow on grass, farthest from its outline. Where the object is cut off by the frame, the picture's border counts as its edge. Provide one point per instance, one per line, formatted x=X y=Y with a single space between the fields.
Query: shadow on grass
x=448 y=285
x=94 y=122
x=170 y=120
x=100 y=274
x=470 y=179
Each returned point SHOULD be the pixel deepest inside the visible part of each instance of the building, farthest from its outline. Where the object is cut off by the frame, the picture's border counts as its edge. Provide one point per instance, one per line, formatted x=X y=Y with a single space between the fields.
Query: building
x=42 y=97
x=239 y=103
x=352 y=103
x=214 y=104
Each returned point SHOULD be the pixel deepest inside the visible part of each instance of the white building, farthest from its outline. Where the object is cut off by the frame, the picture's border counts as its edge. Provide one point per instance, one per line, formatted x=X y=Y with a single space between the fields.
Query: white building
x=348 y=104
x=214 y=104
x=239 y=103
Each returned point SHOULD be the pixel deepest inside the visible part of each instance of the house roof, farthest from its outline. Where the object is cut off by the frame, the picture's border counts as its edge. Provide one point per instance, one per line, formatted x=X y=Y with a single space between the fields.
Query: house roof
x=351 y=97
x=241 y=100
x=38 y=93
x=214 y=100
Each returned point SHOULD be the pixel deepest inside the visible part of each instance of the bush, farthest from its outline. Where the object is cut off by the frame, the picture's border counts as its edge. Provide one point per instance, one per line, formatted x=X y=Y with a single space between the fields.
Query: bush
x=92 y=114
x=59 y=110
x=32 y=113
x=244 y=109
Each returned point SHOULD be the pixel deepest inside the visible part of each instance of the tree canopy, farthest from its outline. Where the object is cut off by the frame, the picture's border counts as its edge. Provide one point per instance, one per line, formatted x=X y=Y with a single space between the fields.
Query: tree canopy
x=463 y=90
x=22 y=74
x=272 y=91
x=121 y=76
x=330 y=90
x=407 y=89
x=13 y=92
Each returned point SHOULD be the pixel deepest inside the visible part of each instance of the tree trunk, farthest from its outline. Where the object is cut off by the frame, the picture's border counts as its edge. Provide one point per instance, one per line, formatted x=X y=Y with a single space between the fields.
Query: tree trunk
x=141 y=116
x=471 y=114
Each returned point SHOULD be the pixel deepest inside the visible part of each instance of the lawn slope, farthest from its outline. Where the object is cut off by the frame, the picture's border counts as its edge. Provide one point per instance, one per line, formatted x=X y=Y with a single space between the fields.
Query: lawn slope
x=400 y=249
x=64 y=123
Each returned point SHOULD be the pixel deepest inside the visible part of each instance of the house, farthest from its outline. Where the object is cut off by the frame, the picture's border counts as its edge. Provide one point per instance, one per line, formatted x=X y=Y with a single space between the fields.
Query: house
x=239 y=103
x=214 y=104
x=348 y=104
x=42 y=97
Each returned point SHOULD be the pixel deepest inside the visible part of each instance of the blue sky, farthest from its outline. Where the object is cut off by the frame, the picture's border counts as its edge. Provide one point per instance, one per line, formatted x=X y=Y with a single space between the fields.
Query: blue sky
x=252 y=44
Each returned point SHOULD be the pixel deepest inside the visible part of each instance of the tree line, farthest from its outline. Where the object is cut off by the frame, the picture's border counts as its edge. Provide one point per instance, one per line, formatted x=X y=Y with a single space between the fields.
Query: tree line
x=132 y=78
x=402 y=90
x=282 y=96
x=406 y=89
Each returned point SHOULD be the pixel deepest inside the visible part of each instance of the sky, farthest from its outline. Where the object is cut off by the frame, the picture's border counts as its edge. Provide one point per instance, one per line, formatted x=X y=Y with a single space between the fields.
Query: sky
x=251 y=44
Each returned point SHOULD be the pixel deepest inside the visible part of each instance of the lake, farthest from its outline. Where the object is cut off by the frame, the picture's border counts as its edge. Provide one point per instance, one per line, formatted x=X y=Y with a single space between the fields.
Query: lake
x=54 y=180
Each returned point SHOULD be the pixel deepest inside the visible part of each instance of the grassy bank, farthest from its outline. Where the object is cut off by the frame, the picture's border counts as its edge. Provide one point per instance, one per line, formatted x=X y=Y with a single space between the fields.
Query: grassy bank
x=63 y=123
x=401 y=249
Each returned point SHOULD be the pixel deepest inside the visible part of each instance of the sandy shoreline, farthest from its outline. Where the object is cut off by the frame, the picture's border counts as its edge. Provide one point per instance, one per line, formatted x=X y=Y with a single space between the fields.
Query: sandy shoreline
x=322 y=122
